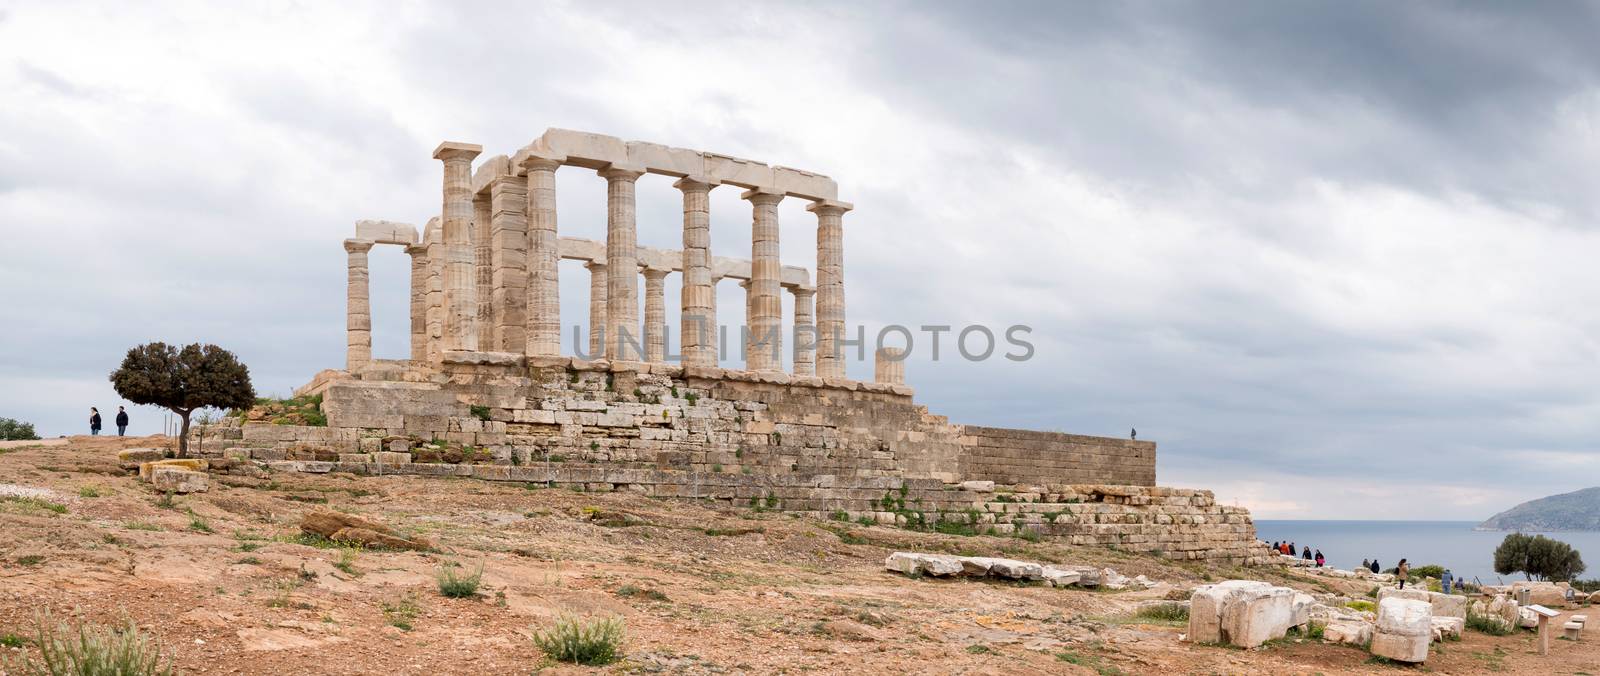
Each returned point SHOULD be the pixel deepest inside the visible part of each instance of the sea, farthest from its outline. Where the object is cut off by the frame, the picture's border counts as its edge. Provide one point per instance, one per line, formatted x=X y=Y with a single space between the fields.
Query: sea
x=1455 y=545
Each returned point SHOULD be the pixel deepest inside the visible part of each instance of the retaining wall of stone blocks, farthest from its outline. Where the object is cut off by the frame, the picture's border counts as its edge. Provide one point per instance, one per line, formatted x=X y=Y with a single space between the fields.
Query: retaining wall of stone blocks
x=1013 y=456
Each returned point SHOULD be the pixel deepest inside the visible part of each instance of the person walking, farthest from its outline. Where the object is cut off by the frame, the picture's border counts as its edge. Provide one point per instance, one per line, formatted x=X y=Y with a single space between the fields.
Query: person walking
x=1402 y=572
x=1133 y=434
x=94 y=421
x=1320 y=560
x=122 y=421
x=1445 y=580
x=1374 y=567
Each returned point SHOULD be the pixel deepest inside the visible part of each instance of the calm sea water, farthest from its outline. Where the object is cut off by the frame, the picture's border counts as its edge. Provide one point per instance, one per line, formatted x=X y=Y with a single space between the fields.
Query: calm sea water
x=1452 y=544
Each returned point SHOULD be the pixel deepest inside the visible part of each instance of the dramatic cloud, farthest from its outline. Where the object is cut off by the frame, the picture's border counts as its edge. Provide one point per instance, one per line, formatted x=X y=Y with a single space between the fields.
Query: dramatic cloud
x=1335 y=258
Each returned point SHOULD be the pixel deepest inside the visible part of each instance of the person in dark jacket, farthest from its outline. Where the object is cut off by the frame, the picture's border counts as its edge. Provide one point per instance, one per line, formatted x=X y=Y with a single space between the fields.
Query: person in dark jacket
x=1320 y=560
x=1375 y=567
x=122 y=421
x=1306 y=553
x=94 y=420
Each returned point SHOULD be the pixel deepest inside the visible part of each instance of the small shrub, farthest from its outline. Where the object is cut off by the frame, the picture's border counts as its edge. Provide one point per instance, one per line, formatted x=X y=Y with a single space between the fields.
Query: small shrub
x=1314 y=630
x=1364 y=606
x=88 y=492
x=88 y=650
x=590 y=642
x=1167 y=612
x=30 y=560
x=198 y=524
x=717 y=468
x=347 y=561
x=32 y=503
x=249 y=561
x=840 y=515
x=480 y=412
x=141 y=525
x=166 y=501
x=691 y=398
x=12 y=641
x=630 y=591
x=456 y=586
x=978 y=649
x=1488 y=624
x=401 y=612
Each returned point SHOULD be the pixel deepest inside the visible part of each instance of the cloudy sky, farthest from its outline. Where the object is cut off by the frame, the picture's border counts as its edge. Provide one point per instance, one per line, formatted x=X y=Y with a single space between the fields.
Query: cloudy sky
x=1338 y=259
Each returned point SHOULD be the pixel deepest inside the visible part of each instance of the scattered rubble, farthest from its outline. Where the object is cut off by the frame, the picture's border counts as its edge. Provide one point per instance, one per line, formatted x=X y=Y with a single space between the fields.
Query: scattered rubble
x=946 y=565
x=356 y=530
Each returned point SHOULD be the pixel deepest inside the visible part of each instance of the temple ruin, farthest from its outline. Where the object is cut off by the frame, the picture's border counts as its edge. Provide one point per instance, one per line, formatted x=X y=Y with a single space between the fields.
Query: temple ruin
x=486 y=392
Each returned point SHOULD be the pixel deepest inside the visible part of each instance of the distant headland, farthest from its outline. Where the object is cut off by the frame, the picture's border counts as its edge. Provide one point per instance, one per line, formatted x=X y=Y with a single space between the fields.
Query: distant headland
x=1575 y=511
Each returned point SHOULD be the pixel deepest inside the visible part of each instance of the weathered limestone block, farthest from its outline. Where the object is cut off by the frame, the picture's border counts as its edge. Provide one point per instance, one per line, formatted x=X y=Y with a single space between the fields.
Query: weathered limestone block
x=1243 y=613
x=1447 y=627
x=1347 y=631
x=1542 y=593
x=176 y=480
x=1404 y=631
x=341 y=527
x=191 y=464
x=1060 y=577
x=131 y=458
x=911 y=563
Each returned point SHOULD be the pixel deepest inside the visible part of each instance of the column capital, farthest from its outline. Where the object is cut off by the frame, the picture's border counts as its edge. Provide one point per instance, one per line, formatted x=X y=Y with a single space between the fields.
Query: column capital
x=415 y=250
x=800 y=291
x=535 y=160
x=654 y=273
x=455 y=150
x=762 y=197
x=621 y=172
x=593 y=264
x=829 y=207
x=359 y=245
x=696 y=183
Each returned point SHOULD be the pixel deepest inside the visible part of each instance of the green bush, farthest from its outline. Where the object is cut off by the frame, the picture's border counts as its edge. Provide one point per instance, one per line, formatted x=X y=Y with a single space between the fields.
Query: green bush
x=481 y=413
x=1172 y=612
x=1366 y=606
x=87 y=650
x=1488 y=624
x=459 y=586
x=591 y=642
x=16 y=430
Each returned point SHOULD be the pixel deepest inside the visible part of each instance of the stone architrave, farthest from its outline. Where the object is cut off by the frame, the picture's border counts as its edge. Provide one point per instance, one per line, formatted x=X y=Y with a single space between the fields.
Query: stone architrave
x=358 y=308
x=419 y=301
x=598 y=283
x=830 y=287
x=805 y=330
x=655 y=316
x=698 y=299
x=544 y=258
x=622 y=241
x=460 y=287
x=766 y=306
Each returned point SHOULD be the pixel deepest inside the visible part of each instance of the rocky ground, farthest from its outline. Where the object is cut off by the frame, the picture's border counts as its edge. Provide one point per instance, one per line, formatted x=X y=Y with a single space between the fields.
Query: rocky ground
x=228 y=585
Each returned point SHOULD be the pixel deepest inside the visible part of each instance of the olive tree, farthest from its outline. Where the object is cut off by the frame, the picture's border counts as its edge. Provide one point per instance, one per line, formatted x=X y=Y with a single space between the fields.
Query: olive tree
x=16 y=430
x=183 y=380
x=1537 y=557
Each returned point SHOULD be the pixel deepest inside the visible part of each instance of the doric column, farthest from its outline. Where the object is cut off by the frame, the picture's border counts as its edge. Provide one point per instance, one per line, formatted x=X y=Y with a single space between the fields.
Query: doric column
x=713 y=331
x=830 y=286
x=544 y=259
x=805 y=341
x=358 y=307
x=481 y=270
x=622 y=241
x=460 y=285
x=747 y=336
x=419 y=301
x=508 y=260
x=697 y=326
x=433 y=289
x=890 y=366
x=655 y=316
x=598 y=283
x=766 y=307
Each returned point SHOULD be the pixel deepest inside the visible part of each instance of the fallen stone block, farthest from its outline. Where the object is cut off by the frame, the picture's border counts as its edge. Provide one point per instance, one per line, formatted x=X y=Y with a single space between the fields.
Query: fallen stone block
x=346 y=528
x=978 y=486
x=1347 y=632
x=132 y=458
x=305 y=466
x=191 y=464
x=1009 y=568
x=934 y=565
x=391 y=458
x=1404 y=631
x=1526 y=618
x=1058 y=577
x=1242 y=613
x=181 y=481
x=1448 y=627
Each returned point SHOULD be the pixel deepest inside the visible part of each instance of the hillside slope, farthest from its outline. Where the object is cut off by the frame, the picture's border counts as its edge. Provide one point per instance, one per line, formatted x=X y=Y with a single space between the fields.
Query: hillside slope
x=1575 y=511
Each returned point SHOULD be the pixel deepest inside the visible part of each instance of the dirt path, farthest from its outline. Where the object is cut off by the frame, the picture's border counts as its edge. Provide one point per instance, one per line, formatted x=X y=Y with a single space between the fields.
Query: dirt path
x=228 y=586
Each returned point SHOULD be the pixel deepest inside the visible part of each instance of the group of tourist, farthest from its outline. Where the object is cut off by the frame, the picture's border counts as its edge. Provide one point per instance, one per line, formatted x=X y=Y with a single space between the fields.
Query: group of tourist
x=94 y=421
x=1290 y=549
x=1402 y=572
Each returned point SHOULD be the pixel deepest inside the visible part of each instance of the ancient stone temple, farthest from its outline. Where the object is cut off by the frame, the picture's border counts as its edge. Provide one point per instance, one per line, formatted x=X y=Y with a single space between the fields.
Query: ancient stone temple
x=487 y=393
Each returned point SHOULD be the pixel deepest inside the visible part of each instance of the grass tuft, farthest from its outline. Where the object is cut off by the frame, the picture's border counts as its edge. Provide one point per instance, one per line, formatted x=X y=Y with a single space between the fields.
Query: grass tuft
x=88 y=650
x=455 y=586
x=590 y=642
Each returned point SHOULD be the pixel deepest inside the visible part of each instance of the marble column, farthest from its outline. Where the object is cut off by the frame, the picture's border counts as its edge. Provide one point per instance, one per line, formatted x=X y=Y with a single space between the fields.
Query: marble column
x=713 y=335
x=766 y=307
x=746 y=336
x=508 y=260
x=622 y=242
x=830 y=287
x=419 y=301
x=805 y=341
x=358 y=306
x=890 y=366
x=460 y=286
x=481 y=271
x=598 y=283
x=544 y=259
x=655 y=316
x=433 y=289
x=697 y=325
